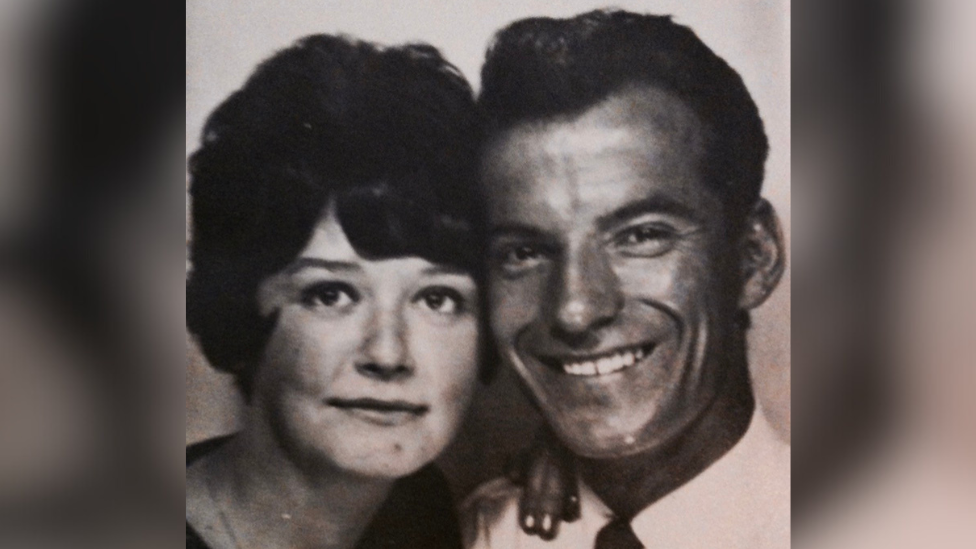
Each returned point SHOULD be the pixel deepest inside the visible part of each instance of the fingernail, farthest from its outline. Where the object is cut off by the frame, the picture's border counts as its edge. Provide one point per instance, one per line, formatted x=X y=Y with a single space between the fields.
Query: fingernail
x=546 y=522
x=529 y=521
x=573 y=508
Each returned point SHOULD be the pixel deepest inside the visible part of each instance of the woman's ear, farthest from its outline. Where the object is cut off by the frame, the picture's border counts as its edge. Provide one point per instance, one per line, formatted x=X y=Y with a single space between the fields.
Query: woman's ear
x=762 y=256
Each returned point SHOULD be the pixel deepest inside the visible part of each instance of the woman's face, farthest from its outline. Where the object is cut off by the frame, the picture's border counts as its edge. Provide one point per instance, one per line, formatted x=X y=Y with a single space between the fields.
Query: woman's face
x=372 y=363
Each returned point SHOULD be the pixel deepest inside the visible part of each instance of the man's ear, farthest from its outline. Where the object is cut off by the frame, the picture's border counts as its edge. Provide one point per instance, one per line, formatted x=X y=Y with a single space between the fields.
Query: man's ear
x=762 y=256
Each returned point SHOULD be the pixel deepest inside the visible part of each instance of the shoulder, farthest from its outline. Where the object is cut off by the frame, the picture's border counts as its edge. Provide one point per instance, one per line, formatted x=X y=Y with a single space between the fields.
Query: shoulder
x=427 y=479
x=763 y=479
x=193 y=540
x=196 y=451
x=418 y=513
x=744 y=497
x=202 y=521
x=768 y=493
x=489 y=516
x=426 y=492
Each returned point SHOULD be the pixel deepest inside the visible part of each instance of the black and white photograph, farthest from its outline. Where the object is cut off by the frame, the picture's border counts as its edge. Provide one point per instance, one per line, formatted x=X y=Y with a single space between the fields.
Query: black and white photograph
x=488 y=275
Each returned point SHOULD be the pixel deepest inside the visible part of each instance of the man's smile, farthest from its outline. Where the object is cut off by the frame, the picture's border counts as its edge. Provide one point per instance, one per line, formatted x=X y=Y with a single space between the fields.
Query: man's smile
x=602 y=364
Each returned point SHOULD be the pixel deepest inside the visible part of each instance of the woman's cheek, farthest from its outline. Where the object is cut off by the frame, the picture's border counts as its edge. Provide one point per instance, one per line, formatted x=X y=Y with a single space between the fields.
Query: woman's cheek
x=452 y=366
x=311 y=351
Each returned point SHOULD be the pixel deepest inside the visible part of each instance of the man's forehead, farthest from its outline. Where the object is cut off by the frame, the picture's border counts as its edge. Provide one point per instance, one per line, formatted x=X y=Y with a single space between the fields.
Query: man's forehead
x=644 y=111
x=640 y=124
x=625 y=148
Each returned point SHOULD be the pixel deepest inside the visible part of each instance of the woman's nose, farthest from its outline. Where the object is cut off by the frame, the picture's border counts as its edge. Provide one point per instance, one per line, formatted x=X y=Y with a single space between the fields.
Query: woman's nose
x=385 y=354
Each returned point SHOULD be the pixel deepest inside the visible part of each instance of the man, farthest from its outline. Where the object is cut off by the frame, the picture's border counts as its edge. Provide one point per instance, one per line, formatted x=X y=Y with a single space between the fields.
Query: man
x=628 y=241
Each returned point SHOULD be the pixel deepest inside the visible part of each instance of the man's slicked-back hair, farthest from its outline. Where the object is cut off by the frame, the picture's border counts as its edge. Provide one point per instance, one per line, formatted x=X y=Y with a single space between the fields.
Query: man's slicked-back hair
x=543 y=69
x=388 y=135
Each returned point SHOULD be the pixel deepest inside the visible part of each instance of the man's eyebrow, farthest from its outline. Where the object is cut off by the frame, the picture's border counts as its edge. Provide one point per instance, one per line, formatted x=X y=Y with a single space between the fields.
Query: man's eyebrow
x=516 y=230
x=319 y=263
x=649 y=205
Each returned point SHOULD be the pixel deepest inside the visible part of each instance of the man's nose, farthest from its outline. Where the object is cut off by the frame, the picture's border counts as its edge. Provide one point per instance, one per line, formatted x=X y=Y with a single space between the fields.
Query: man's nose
x=585 y=293
x=385 y=354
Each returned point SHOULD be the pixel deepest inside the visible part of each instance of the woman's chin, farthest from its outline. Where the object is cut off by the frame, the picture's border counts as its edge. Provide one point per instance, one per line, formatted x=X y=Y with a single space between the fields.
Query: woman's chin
x=378 y=459
x=386 y=467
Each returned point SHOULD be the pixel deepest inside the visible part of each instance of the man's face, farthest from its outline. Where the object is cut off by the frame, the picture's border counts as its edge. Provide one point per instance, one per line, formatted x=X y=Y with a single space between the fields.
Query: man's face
x=606 y=282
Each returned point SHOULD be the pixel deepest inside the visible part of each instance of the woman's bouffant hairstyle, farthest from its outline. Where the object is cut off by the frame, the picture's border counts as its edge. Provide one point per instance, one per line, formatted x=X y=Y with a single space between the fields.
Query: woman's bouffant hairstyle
x=541 y=69
x=387 y=135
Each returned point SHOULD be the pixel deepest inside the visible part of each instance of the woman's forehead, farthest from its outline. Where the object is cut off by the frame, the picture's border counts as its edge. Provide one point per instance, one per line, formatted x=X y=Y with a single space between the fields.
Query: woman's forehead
x=330 y=249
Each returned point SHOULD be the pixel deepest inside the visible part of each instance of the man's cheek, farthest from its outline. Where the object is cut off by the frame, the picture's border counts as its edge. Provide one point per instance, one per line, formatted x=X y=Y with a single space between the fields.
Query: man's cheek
x=514 y=304
x=676 y=282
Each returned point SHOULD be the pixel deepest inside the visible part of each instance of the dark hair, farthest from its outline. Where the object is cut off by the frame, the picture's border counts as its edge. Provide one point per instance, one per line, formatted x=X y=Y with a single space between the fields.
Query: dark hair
x=542 y=68
x=389 y=135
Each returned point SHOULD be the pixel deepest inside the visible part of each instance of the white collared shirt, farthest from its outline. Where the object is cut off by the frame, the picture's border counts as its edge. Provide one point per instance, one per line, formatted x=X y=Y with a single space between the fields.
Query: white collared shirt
x=741 y=502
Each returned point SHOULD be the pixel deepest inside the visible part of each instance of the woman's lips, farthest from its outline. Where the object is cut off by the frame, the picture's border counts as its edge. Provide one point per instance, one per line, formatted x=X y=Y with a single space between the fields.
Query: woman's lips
x=381 y=412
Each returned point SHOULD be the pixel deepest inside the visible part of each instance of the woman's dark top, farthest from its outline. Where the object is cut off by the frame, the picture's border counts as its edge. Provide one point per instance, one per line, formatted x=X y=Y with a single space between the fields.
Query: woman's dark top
x=418 y=513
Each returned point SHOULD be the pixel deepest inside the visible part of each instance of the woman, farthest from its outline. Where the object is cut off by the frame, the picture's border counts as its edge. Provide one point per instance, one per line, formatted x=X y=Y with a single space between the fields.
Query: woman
x=336 y=275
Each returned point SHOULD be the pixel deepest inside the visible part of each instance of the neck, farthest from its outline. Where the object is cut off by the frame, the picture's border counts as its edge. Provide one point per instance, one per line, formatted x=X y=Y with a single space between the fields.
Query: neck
x=273 y=500
x=631 y=483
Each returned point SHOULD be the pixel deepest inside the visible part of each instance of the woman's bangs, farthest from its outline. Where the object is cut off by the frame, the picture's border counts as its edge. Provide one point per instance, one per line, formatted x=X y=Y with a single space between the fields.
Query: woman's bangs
x=382 y=223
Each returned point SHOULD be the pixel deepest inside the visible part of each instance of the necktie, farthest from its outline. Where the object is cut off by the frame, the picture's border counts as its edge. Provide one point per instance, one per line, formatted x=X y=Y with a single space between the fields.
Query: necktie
x=617 y=535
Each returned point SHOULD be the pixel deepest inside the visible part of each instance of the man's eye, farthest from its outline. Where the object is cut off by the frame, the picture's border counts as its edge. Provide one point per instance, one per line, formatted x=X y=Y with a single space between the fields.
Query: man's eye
x=333 y=295
x=441 y=300
x=523 y=253
x=520 y=256
x=645 y=240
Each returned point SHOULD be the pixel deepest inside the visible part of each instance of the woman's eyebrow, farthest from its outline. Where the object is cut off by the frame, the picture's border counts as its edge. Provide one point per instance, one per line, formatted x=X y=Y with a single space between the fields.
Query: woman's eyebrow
x=318 y=263
x=443 y=270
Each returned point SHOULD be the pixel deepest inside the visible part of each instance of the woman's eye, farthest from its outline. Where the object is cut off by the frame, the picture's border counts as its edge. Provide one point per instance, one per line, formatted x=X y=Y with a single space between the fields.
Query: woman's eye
x=331 y=295
x=442 y=300
x=645 y=240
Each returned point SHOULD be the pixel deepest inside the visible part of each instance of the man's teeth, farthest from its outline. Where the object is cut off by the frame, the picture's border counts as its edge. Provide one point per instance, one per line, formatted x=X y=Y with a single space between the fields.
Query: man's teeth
x=606 y=365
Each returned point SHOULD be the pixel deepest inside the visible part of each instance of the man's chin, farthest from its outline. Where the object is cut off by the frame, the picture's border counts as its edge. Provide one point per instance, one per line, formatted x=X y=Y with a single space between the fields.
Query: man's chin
x=594 y=442
x=603 y=449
